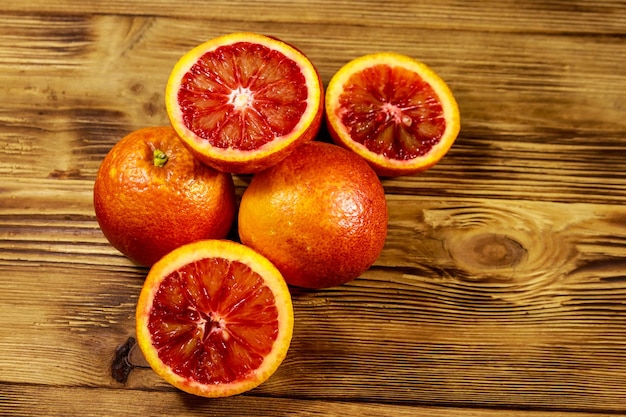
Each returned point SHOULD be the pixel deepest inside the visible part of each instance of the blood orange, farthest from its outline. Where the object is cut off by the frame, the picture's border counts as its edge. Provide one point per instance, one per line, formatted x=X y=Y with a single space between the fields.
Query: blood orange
x=151 y=195
x=214 y=318
x=393 y=111
x=241 y=102
x=319 y=215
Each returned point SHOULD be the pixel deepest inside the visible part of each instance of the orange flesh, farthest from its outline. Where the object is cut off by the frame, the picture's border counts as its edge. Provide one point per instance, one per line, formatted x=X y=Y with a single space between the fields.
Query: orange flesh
x=242 y=96
x=213 y=321
x=392 y=112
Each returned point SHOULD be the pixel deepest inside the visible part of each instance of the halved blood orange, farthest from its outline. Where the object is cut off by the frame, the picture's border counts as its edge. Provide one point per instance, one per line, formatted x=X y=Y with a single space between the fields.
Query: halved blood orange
x=241 y=102
x=392 y=110
x=214 y=318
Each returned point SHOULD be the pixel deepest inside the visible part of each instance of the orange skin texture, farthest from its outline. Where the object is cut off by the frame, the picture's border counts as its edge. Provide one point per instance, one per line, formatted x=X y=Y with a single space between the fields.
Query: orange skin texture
x=320 y=215
x=146 y=211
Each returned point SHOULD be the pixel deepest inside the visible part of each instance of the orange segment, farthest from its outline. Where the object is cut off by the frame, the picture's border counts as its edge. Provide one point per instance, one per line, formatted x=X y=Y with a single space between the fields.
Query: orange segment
x=394 y=111
x=214 y=318
x=242 y=101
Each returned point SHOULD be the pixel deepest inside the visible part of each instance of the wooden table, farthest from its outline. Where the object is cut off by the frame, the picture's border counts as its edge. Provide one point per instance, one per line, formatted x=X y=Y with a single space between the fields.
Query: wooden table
x=501 y=290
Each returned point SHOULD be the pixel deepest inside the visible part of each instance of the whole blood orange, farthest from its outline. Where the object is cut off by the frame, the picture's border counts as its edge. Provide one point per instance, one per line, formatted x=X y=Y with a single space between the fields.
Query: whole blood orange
x=241 y=102
x=214 y=318
x=393 y=111
x=151 y=195
x=320 y=215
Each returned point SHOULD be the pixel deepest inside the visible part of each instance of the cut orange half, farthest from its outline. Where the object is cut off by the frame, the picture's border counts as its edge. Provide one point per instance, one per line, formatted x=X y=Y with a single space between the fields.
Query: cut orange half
x=393 y=111
x=214 y=318
x=241 y=102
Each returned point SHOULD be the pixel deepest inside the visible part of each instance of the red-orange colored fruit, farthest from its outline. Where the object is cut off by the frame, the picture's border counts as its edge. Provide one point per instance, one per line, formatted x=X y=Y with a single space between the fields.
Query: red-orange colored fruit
x=214 y=318
x=151 y=196
x=243 y=101
x=320 y=215
x=393 y=111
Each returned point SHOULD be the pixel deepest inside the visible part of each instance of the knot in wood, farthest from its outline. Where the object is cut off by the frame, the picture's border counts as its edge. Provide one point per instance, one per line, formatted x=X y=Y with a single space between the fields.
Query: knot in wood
x=489 y=252
x=494 y=251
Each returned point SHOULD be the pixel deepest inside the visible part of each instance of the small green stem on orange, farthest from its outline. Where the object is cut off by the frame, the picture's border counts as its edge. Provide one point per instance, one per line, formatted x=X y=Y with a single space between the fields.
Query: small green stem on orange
x=159 y=158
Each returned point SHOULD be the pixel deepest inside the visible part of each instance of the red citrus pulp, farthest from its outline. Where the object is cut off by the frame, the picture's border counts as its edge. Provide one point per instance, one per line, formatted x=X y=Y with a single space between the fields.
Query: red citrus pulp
x=393 y=111
x=241 y=102
x=214 y=318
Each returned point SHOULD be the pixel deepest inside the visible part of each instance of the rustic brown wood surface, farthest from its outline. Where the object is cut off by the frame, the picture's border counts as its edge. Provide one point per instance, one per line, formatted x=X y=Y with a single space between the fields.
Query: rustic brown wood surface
x=501 y=290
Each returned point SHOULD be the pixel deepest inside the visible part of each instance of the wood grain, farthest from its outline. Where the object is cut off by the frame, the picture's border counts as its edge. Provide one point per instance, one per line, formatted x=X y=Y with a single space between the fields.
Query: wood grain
x=49 y=401
x=490 y=16
x=496 y=88
x=502 y=285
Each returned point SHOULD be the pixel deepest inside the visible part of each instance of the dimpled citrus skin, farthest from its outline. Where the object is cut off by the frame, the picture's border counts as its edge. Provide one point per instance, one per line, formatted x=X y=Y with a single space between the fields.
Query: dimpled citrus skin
x=145 y=211
x=320 y=215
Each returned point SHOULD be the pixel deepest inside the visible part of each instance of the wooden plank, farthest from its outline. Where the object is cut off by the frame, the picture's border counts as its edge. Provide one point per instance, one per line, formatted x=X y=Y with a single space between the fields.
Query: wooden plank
x=567 y=358
x=513 y=143
x=529 y=238
x=44 y=401
x=509 y=304
x=501 y=287
x=598 y=17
